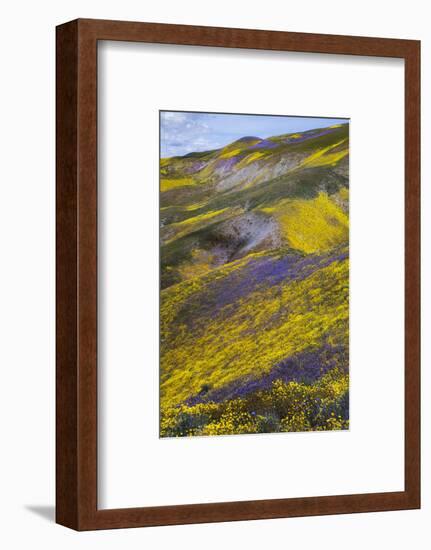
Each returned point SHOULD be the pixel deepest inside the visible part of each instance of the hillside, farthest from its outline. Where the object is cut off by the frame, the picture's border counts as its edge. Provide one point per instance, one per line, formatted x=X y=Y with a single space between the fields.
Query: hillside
x=254 y=278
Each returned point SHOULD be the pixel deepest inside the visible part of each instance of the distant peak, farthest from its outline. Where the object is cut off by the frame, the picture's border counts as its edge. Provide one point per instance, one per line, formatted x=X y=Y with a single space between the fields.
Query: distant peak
x=247 y=139
x=242 y=143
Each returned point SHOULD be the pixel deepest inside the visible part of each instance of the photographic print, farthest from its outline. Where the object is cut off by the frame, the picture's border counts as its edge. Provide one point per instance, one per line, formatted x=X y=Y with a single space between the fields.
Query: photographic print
x=254 y=274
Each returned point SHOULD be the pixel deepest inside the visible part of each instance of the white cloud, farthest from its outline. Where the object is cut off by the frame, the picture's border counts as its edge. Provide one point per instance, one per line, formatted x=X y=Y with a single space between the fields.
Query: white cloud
x=172 y=117
x=181 y=133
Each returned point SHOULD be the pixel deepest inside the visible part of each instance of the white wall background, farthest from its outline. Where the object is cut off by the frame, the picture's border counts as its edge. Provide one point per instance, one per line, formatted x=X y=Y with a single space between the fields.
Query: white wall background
x=27 y=273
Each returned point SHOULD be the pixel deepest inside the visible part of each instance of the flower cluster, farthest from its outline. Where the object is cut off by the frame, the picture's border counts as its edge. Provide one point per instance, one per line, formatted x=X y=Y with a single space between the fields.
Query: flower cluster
x=250 y=336
x=285 y=407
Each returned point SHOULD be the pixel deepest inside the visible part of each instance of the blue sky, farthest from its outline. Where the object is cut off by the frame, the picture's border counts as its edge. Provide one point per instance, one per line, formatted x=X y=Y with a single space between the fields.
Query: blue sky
x=184 y=132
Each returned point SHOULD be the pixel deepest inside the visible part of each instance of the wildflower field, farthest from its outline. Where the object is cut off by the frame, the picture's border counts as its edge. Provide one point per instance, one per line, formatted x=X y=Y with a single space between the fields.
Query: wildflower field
x=254 y=304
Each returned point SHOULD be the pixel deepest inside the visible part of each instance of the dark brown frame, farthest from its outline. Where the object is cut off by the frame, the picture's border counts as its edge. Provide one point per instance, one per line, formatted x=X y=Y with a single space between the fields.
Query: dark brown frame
x=76 y=375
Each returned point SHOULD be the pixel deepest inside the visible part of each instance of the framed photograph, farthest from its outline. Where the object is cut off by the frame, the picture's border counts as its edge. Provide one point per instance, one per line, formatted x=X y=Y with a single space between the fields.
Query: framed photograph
x=238 y=274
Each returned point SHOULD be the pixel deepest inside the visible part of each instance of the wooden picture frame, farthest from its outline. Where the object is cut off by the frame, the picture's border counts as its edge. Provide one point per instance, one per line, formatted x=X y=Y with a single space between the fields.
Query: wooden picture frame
x=76 y=375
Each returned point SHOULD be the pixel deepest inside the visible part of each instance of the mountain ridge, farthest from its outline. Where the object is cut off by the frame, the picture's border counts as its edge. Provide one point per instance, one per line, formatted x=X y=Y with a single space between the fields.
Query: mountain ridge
x=202 y=203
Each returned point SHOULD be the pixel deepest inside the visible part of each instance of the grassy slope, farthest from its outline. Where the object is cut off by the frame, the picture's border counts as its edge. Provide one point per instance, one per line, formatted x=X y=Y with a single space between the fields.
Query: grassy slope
x=249 y=336
x=311 y=225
